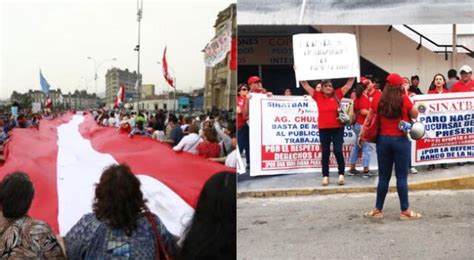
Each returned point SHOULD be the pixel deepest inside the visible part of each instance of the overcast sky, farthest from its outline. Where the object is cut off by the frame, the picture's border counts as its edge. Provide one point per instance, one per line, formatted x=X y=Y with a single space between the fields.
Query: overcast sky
x=58 y=36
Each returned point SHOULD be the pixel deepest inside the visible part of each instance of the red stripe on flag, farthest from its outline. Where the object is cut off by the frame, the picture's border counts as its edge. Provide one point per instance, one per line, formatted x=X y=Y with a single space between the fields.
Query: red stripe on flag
x=34 y=151
x=184 y=173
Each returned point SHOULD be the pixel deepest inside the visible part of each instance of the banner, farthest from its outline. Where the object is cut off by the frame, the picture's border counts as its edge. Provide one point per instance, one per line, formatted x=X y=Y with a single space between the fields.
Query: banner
x=449 y=126
x=216 y=50
x=284 y=136
x=36 y=107
x=325 y=56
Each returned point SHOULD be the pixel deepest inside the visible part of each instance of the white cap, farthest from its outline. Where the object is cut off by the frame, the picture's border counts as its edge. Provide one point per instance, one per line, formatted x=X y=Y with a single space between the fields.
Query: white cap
x=466 y=69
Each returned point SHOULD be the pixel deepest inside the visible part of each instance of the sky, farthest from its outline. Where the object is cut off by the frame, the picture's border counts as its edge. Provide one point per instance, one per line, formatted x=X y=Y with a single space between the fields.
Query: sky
x=58 y=36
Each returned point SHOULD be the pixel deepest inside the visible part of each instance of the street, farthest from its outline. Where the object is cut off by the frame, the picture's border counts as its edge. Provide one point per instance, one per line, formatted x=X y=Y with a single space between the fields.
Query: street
x=333 y=227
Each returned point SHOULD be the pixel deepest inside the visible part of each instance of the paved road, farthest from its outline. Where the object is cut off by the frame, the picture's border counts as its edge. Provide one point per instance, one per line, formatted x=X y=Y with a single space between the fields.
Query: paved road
x=332 y=227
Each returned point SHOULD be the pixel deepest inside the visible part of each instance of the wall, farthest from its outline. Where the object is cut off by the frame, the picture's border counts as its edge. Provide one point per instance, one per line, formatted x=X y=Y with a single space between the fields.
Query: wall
x=395 y=52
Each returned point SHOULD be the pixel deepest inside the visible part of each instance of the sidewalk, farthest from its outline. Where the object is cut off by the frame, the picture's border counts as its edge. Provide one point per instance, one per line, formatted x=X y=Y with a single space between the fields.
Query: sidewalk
x=456 y=177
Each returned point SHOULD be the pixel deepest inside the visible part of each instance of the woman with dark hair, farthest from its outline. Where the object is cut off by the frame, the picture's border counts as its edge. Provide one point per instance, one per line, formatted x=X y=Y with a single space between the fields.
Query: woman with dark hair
x=210 y=147
x=438 y=86
x=243 y=137
x=331 y=129
x=211 y=233
x=22 y=237
x=361 y=109
x=121 y=224
x=393 y=145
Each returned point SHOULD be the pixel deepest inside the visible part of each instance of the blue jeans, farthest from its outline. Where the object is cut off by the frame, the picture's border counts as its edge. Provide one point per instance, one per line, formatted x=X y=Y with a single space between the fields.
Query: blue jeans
x=243 y=141
x=366 y=149
x=336 y=136
x=390 y=150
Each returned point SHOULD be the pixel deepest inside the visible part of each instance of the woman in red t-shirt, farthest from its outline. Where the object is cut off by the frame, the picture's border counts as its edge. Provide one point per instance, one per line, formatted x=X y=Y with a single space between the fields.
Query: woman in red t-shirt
x=361 y=109
x=210 y=148
x=242 y=117
x=330 y=128
x=393 y=145
x=438 y=86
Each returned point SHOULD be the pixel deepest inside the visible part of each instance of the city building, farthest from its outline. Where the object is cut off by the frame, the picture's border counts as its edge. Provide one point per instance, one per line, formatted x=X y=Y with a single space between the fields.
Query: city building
x=221 y=80
x=148 y=90
x=114 y=78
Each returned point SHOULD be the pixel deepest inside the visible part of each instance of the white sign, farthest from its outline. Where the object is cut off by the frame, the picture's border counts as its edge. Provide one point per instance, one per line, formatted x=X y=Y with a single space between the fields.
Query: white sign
x=325 y=56
x=35 y=107
x=449 y=126
x=284 y=136
x=216 y=50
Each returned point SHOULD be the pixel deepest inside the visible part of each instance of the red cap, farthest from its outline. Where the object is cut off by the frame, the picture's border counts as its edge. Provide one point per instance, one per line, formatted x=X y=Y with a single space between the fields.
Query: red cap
x=253 y=79
x=394 y=79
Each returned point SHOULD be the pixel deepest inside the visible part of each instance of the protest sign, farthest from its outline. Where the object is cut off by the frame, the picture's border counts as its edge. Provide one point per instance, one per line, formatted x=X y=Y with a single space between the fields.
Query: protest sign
x=216 y=50
x=449 y=126
x=284 y=136
x=325 y=56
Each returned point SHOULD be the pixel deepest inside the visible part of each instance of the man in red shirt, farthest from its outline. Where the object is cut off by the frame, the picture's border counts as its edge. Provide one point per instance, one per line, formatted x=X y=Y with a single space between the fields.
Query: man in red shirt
x=255 y=84
x=465 y=84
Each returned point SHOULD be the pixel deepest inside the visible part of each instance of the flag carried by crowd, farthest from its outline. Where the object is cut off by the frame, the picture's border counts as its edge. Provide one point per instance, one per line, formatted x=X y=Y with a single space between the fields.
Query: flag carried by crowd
x=66 y=156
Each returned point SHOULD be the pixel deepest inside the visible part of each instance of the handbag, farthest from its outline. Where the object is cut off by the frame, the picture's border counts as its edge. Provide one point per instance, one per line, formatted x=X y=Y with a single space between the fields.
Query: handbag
x=160 y=250
x=341 y=113
x=371 y=127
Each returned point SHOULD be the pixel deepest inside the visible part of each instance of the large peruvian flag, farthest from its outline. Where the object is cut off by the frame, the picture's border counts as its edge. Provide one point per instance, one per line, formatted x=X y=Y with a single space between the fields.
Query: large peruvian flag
x=66 y=156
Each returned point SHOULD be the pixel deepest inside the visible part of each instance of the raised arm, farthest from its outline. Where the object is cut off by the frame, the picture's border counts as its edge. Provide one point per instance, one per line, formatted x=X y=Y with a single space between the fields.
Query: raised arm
x=307 y=87
x=347 y=86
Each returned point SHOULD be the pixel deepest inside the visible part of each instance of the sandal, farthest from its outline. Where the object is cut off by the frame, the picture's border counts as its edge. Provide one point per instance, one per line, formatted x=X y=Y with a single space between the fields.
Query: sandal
x=409 y=215
x=375 y=213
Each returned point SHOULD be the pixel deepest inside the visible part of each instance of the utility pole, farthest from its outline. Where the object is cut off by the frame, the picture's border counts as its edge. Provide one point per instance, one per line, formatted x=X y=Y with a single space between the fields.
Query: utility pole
x=137 y=49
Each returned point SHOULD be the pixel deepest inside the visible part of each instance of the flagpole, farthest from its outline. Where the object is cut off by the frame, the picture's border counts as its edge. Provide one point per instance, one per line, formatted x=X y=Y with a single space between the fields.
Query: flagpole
x=174 y=98
x=137 y=48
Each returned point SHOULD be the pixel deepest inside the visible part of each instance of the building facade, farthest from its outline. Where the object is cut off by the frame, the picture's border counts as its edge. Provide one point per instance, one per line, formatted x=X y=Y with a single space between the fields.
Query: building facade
x=113 y=80
x=148 y=90
x=76 y=100
x=221 y=81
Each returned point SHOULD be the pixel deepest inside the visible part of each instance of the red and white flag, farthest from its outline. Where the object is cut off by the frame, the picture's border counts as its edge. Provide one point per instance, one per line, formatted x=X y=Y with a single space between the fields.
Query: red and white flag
x=120 y=98
x=166 y=73
x=67 y=155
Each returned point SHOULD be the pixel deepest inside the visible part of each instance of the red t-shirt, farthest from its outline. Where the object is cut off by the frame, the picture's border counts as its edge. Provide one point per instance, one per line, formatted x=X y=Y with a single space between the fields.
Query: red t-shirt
x=435 y=91
x=360 y=103
x=240 y=117
x=376 y=94
x=327 y=108
x=460 y=86
x=208 y=150
x=390 y=126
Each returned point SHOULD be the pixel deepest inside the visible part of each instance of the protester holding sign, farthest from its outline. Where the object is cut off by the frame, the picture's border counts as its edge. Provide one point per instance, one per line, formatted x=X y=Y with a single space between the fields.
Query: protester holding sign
x=465 y=84
x=330 y=128
x=242 y=117
x=438 y=86
x=393 y=145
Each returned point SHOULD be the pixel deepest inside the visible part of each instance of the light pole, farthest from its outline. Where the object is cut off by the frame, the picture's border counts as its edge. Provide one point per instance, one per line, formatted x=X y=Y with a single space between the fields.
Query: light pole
x=96 y=68
x=137 y=49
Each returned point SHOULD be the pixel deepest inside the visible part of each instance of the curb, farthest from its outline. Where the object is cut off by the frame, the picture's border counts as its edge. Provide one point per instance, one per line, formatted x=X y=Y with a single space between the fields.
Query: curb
x=455 y=183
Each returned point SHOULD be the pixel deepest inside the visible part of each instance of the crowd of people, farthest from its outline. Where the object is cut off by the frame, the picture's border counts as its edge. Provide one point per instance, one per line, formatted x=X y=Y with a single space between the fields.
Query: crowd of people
x=365 y=95
x=212 y=136
x=120 y=224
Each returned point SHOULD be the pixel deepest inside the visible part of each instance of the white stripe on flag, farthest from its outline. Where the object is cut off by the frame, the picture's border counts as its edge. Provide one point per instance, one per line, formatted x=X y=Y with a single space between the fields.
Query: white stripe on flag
x=79 y=167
